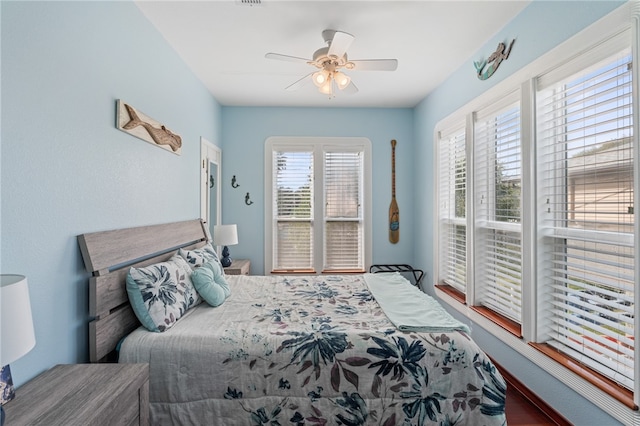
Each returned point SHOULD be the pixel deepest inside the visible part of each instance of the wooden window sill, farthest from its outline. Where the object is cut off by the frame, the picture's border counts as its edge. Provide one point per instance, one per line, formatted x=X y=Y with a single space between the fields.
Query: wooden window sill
x=460 y=297
x=504 y=322
x=620 y=393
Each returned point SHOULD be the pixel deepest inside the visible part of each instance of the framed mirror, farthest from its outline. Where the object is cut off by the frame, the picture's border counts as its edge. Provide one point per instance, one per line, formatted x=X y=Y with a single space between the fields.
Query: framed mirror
x=210 y=178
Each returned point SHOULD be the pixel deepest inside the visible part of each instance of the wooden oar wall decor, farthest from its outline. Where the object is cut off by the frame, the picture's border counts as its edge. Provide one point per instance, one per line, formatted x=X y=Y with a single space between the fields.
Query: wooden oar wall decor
x=394 y=212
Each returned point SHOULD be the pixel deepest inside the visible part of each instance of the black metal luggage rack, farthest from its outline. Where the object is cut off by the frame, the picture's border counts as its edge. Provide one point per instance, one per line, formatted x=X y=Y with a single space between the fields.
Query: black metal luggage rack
x=417 y=273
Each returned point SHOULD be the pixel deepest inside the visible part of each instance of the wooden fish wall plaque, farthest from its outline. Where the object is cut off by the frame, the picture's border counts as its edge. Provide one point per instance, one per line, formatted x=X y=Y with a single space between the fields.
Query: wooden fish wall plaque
x=136 y=123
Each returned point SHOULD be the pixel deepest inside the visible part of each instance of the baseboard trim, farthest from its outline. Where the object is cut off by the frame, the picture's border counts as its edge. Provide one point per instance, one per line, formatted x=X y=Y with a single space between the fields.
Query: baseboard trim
x=534 y=399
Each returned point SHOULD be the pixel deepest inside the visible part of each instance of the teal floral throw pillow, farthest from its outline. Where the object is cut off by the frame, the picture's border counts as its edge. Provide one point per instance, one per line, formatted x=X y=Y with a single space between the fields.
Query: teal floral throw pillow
x=161 y=293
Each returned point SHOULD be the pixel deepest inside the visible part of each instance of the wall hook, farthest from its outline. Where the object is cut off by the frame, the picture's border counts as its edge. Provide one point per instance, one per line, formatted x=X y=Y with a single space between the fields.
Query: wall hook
x=212 y=182
x=247 y=201
x=233 y=182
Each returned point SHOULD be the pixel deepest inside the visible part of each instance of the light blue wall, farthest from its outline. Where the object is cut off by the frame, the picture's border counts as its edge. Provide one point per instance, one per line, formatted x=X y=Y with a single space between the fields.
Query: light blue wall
x=244 y=133
x=67 y=170
x=540 y=27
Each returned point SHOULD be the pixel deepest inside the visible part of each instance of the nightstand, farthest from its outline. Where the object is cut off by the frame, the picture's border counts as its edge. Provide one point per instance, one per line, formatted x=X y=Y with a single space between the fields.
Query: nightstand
x=238 y=267
x=83 y=394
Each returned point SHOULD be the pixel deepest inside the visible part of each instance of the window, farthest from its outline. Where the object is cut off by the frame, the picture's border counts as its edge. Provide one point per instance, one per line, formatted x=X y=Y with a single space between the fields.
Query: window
x=536 y=213
x=294 y=207
x=585 y=164
x=318 y=205
x=452 y=208
x=497 y=184
x=343 y=218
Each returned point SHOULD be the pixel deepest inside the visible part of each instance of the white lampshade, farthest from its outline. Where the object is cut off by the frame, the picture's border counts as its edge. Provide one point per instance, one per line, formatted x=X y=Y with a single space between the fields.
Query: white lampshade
x=225 y=235
x=319 y=78
x=327 y=87
x=16 y=322
x=341 y=79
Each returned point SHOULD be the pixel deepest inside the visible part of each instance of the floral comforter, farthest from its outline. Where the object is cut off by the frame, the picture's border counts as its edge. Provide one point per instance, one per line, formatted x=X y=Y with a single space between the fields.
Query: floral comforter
x=311 y=350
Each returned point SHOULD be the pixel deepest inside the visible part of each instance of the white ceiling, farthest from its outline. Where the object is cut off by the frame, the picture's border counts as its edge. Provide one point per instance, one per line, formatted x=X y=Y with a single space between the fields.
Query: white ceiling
x=224 y=43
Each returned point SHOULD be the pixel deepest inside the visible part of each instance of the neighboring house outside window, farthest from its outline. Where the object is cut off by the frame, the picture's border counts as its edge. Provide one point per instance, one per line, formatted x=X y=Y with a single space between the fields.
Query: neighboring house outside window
x=318 y=207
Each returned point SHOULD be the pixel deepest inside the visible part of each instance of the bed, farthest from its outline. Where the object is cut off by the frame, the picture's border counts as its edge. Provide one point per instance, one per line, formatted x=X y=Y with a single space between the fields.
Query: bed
x=290 y=350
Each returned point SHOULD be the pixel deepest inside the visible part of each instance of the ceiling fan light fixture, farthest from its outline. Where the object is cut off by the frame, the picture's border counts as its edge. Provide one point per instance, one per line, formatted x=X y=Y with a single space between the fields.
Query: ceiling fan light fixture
x=320 y=78
x=328 y=62
x=326 y=88
x=342 y=80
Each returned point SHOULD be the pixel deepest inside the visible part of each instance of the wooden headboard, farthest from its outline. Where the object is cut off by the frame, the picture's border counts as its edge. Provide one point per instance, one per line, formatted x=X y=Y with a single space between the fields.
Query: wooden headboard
x=108 y=255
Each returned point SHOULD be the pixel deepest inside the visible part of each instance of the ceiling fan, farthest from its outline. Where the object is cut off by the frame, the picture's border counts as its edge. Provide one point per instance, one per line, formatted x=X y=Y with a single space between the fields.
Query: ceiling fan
x=330 y=61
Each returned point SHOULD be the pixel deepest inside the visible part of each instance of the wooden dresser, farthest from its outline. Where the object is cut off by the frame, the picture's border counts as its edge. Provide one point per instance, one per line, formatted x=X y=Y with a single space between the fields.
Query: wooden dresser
x=83 y=394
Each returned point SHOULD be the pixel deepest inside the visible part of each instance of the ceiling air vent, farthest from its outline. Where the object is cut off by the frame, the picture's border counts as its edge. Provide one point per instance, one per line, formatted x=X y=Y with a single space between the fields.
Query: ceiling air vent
x=249 y=2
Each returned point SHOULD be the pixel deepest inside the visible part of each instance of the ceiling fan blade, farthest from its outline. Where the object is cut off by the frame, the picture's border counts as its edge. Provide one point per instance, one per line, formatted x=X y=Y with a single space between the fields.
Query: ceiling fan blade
x=375 y=65
x=350 y=89
x=340 y=43
x=299 y=83
x=285 y=57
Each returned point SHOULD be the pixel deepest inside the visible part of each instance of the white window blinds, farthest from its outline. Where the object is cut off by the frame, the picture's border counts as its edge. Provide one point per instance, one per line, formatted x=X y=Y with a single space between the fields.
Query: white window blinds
x=318 y=205
x=585 y=182
x=343 y=178
x=293 y=196
x=452 y=212
x=497 y=194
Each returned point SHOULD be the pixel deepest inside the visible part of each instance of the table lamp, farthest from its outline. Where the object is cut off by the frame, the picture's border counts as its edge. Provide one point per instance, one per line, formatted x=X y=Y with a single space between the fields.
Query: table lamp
x=225 y=235
x=16 y=330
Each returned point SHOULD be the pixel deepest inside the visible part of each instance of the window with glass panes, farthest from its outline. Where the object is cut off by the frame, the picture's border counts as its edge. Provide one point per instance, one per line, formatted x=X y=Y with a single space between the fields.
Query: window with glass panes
x=586 y=180
x=497 y=190
x=579 y=297
x=317 y=216
x=452 y=186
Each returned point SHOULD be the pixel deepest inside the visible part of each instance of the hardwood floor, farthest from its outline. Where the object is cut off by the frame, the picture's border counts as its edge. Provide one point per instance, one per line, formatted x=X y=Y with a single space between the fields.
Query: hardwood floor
x=524 y=408
x=521 y=412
